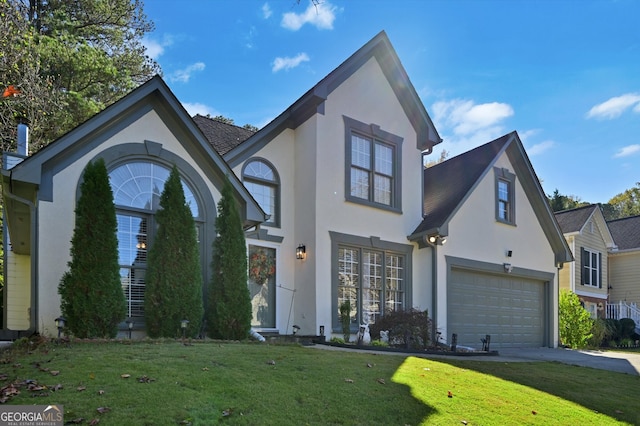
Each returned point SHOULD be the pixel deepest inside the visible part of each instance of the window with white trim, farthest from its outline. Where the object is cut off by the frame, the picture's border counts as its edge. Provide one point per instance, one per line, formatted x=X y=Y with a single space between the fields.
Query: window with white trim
x=373 y=165
x=591 y=267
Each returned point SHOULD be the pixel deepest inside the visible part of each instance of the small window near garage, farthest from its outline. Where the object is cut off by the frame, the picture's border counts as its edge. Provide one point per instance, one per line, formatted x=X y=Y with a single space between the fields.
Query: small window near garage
x=505 y=202
x=373 y=165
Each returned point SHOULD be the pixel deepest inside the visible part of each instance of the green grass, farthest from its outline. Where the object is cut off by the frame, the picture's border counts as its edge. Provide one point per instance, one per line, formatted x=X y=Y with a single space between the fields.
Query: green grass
x=246 y=383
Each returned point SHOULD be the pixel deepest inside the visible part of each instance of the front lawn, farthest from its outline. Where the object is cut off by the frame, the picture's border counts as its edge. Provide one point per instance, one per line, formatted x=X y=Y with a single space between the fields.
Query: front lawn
x=167 y=383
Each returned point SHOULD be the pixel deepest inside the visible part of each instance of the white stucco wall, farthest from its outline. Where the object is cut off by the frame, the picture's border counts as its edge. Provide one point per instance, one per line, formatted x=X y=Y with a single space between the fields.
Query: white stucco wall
x=475 y=234
x=56 y=219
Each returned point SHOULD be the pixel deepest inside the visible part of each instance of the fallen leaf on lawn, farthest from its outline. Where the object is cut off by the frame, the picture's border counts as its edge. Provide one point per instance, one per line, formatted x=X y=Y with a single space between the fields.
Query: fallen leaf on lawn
x=125 y=376
x=619 y=412
x=100 y=392
x=348 y=380
x=370 y=365
x=382 y=382
x=226 y=413
x=41 y=394
x=449 y=394
x=534 y=412
x=57 y=387
x=81 y=388
x=54 y=372
x=36 y=388
x=94 y=422
x=17 y=365
x=464 y=422
x=103 y=410
x=271 y=362
x=146 y=379
x=426 y=369
x=75 y=421
x=205 y=369
x=3 y=377
x=92 y=376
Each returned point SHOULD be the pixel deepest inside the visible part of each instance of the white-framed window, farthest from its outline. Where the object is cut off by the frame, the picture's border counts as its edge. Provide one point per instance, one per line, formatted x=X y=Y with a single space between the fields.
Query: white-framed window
x=373 y=165
x=591 y=267
x=374 y=276
x=505 y=196
x=261 y=179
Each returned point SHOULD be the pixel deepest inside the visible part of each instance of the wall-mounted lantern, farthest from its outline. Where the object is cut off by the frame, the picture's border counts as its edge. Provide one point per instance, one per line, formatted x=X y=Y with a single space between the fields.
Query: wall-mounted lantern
x=301 y=252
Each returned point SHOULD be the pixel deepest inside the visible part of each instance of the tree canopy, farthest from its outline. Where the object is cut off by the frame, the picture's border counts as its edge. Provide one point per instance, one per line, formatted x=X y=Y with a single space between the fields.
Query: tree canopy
x=68 y=60
x=626 y=204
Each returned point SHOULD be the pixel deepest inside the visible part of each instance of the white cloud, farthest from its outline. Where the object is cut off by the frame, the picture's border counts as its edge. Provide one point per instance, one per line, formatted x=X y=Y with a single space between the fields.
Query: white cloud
x=266 y=11
x=320 y=15
x=198 y=108
x=615 y=106
x=465 y=125
x=625 y=151
x=155 y=48
x=185 y=74
x=541 y=147
x=288 y=63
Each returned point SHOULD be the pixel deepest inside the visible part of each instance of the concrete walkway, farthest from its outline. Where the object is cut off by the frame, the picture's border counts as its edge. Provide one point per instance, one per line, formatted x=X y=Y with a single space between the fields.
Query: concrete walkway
x=621 y=362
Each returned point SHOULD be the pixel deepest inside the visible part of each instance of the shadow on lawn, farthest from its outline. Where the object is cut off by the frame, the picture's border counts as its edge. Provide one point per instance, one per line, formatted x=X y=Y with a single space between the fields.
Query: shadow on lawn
x=613 y=394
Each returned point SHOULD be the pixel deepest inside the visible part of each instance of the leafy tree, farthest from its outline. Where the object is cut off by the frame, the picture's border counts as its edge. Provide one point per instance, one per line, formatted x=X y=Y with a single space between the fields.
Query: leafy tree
x=444 y=154
x=92 y=300
x=174 y=277
x=559 y=202
x=82 y=55
x=627 y=203
x=229 y=304
x=575 y=321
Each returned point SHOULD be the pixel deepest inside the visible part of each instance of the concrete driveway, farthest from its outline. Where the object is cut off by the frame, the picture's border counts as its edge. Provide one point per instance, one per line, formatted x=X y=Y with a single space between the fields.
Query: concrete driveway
x=621 y=362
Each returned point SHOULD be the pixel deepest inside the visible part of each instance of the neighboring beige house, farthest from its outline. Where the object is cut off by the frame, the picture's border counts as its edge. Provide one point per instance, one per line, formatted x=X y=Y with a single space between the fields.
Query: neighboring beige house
x=334 y=198
x=624 y=269
x=588 y=235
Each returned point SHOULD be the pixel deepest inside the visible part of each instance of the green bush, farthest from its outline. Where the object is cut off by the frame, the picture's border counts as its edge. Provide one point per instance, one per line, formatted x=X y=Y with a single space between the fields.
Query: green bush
x=345 y=319
x=575 y=321
x=409 y=328
x=598 y=333
x=627 y=328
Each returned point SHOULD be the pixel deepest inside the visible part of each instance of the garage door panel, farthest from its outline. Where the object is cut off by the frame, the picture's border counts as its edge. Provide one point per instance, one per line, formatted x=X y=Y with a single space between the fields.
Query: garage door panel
x=510 y=309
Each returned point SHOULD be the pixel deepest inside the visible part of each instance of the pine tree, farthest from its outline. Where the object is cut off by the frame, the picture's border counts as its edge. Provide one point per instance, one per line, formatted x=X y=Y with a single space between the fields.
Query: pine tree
x=229 y=304
x=92 y=300
x=174 y=276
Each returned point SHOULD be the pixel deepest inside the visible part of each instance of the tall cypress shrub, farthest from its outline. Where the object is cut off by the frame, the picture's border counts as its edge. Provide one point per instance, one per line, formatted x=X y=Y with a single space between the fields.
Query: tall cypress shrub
x=174 y=276
x=92 y=300
x=229 y=304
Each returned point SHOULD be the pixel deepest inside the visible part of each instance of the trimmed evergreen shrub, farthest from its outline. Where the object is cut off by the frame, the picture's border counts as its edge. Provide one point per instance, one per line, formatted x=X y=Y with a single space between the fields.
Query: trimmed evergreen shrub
x=228 y=301
x=407 y=328
x=92 y=300
x=174 y=275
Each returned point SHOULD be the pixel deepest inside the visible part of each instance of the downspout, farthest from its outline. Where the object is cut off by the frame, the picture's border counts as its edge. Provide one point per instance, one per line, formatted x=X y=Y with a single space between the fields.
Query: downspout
x=34 y=289
x=434 y=291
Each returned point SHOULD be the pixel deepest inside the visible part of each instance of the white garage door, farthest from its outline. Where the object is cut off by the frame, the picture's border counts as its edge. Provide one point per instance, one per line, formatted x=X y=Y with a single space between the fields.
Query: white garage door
x=510 y=309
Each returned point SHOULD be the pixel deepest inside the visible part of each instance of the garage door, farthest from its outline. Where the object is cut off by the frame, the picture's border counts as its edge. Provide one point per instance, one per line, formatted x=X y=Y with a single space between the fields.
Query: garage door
x=510 y=309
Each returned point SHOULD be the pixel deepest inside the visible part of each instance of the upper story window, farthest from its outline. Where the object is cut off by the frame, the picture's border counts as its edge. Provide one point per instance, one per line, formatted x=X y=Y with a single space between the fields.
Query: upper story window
x=591 y=267
x=262 y=181
x=505 y=196
x=373 y=165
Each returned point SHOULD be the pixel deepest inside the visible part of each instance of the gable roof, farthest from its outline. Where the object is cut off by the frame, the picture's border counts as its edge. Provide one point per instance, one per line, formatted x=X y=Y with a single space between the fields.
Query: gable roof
x=626 y=232
x=447 y=185
x=573 y=220
x=222 y=136
x=312 y=102
x=155 y=95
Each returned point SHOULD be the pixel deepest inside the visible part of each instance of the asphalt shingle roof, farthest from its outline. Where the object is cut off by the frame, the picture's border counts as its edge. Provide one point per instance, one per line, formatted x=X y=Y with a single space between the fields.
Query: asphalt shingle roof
x=574 y=219
x=626 y=232
x=446 y=184
x=222 y=136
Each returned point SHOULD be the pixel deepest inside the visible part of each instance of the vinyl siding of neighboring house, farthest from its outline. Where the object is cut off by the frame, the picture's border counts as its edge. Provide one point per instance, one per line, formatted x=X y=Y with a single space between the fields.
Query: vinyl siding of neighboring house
x=18 y=277
x=624 y=277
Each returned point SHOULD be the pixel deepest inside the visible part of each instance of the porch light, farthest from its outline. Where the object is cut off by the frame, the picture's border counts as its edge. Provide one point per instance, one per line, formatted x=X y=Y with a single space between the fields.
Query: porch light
x=295 y=329
x=322 y=330
x=183 y=325
x=130 y=326
x=301 y=252
x=436 y=239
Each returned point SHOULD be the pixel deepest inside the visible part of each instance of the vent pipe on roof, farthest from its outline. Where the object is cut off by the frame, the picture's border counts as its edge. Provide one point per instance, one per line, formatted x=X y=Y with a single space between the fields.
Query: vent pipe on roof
x=23 y=139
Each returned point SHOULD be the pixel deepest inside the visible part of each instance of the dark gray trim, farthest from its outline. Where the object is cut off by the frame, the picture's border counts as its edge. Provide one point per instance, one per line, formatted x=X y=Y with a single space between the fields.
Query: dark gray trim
x=376 y=134
x=263 y=235
x=276 y=182
x=504 y=175
x=338 y=239
x=547 y=278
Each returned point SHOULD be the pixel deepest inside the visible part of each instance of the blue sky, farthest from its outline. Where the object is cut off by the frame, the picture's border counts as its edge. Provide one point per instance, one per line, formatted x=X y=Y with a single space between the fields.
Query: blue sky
x=564 y=74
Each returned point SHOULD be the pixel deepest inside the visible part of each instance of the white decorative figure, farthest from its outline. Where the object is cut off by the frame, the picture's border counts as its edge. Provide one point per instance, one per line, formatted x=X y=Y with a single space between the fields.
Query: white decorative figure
x=384 y=336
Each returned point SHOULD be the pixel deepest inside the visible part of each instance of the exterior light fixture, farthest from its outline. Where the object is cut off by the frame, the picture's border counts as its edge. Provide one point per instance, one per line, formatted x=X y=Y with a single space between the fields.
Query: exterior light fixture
x=436 y=239
x=322 y=330
x=183 y=325
x=301 y=252
x=295 y=329
x=60 y=323
x=508 y=268
x=130 y=326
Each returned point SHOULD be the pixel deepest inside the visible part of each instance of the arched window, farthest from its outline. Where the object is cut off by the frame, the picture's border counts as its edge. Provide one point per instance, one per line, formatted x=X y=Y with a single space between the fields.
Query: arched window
x=261 y=179
x=137 y=187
